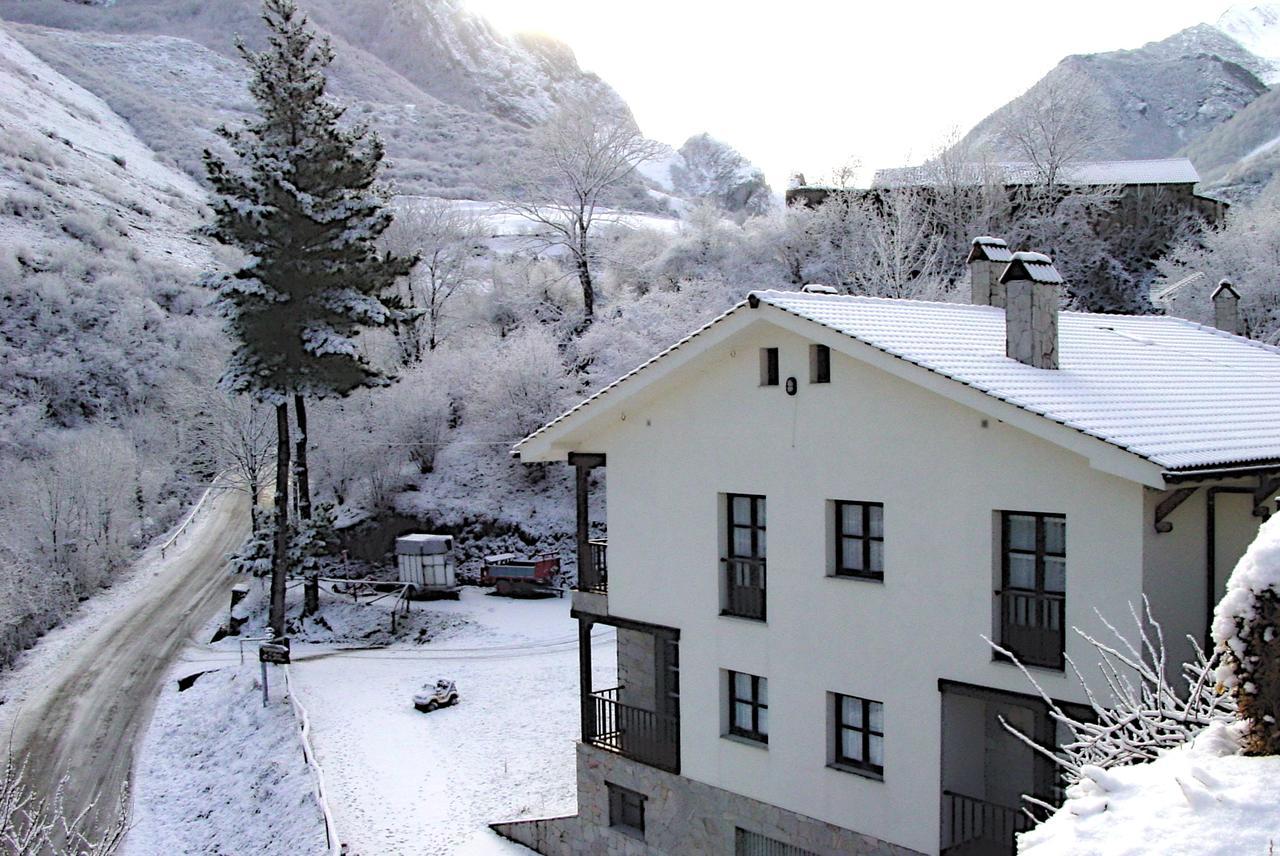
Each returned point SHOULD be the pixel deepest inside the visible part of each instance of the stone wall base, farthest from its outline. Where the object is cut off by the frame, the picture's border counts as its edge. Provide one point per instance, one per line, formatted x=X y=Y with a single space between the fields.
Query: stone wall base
x=681 y=817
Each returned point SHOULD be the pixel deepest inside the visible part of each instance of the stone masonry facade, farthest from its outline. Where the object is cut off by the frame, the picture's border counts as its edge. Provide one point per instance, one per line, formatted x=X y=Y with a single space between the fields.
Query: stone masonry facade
x=681 y=817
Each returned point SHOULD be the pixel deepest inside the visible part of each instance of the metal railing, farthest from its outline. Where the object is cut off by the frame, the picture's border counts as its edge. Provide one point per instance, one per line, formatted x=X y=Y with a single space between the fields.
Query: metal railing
x=1031 y=627
x=745 y=588
x=633 y=732
x=596 y=577
x=968 y=821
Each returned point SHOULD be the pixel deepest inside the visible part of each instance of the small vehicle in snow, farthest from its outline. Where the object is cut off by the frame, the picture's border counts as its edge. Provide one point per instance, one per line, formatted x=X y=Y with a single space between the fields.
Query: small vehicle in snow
x=440 y=694
x=513 y=576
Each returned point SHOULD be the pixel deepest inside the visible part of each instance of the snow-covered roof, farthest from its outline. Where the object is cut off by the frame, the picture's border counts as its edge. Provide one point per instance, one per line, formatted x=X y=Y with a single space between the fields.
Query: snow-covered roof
x=1177 y=394
x=1151 y=171
x=1036 y=267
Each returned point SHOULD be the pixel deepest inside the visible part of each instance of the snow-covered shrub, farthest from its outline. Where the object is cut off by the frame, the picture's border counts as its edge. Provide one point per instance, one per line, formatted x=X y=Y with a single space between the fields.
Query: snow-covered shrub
x=32 y=822
x=1140 y=713
x=311 y=540
x=254 y=555
x=1246 y=629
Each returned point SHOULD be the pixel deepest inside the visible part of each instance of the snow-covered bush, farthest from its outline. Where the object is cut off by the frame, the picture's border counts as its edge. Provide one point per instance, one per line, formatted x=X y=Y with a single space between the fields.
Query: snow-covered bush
x=1140 y=713
x=1246 y=629
x=33 y=823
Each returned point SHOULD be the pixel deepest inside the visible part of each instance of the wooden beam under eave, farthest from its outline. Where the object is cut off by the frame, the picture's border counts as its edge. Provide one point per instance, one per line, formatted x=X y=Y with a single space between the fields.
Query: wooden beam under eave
x=1170 y=500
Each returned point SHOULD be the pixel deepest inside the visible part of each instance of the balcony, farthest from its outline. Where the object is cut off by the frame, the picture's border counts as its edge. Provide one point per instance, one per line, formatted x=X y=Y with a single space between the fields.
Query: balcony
x=1031 y=626
x=974 y=827
x=744 y=588
x=632 y=732
x=595 y=577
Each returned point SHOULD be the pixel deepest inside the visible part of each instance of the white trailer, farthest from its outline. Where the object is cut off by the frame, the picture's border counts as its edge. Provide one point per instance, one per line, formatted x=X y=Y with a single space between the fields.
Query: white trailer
x=426 y=564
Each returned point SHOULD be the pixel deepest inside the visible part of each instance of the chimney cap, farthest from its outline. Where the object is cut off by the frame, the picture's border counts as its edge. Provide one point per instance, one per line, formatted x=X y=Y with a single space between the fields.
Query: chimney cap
x=818 y=288
x=1225 y=288
x=986 y=248
x=1036 y=267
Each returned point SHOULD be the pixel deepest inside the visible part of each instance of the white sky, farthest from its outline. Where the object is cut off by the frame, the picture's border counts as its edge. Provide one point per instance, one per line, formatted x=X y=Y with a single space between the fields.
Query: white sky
x=809 y=84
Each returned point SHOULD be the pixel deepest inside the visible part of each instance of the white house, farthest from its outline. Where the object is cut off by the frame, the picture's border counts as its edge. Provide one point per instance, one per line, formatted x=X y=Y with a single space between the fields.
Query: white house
x=818 y=507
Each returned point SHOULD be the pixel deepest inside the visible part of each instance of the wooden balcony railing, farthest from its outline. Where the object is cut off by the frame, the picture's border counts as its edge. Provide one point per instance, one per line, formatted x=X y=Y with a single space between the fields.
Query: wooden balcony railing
x=745 y=588
x=973 y=825
x=596 y=577
x=633 y=732
x=1032 y=627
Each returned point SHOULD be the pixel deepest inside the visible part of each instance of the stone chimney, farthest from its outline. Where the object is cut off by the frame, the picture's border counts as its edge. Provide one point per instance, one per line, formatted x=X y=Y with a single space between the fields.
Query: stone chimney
x=1031 y=310
x=1226 y=308
x=987 y=259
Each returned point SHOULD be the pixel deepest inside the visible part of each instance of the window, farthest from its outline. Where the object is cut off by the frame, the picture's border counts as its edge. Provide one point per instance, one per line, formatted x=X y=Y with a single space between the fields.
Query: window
x=859 y=737
x=819 y=364
x=1033 y=591
x=747 y=843
x=749 y=706
x=626 y=810
x=768 y=366
x=744 y=562
x=859 y=547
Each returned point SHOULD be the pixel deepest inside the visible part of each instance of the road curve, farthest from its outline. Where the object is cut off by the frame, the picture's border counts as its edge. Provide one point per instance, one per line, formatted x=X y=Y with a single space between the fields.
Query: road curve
x=84 y=721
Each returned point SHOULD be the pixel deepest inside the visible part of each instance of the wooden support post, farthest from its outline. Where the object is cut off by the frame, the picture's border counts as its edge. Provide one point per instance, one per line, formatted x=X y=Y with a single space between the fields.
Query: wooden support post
x=584 y=463
x=584 y=679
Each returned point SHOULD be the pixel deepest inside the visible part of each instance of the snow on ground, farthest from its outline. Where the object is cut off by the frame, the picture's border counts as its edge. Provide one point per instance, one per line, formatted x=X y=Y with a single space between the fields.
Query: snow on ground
x=1203 y=799
x=221 y=774
x=413 y=784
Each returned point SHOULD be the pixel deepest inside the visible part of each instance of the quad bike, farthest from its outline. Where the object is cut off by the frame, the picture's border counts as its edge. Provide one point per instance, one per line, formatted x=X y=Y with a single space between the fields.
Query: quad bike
x=440 y=694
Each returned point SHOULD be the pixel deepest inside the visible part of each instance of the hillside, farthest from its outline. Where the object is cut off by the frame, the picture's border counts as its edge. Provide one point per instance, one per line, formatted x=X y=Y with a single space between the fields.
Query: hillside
x=1157 y=99
x=95 y=235
x=452 y=97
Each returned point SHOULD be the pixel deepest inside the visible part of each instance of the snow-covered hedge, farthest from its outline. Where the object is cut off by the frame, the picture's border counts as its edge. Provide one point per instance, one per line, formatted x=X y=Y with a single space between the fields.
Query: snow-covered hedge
x=1245 y=629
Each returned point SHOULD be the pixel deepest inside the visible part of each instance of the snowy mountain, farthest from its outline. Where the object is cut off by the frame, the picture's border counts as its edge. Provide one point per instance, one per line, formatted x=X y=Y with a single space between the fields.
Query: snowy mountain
x=1159 y=98
x=452 y=97
x=1257 y=29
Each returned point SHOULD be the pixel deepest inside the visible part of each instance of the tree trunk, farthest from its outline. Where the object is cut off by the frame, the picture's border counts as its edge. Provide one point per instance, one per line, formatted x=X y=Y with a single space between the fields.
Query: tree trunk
x=280 y=555
x=1260 y=707
x=255 y=491
x=588 y=289
x=304 y=478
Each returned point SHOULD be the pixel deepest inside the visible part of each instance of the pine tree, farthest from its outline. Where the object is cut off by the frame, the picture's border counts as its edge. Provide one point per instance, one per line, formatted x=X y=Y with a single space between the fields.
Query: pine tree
x=299 y=197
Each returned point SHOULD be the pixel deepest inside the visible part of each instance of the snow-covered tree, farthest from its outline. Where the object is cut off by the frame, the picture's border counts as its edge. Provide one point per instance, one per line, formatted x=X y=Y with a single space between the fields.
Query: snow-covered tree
x=34 y=824
x=575 y=161
x=448 y=242
x=299 y=198
x=231 y=435
x=1245 y=249
x=1246 y=629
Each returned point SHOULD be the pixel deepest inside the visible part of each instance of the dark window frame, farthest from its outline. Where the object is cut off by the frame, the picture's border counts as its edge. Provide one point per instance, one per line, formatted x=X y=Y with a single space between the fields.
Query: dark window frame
x=754 y=732
x=839 y=758
x=745 y=584
x=1038 y=590
x=770 y=373
x=867 y=539
x=819 y=364
x=626 y=810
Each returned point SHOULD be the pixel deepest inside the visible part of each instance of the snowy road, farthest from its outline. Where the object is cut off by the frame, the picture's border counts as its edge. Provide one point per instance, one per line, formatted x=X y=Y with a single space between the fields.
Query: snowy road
x=412 y=784
x=79 y=701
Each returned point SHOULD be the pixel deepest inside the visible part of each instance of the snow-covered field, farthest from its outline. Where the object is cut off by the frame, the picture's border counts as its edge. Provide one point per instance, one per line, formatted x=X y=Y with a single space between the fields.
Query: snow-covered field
x=406 y=783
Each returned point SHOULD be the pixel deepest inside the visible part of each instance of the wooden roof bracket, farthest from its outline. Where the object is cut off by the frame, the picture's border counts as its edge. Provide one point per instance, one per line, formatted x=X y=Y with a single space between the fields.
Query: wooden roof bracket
x=1169 y=500
x=1267 y=486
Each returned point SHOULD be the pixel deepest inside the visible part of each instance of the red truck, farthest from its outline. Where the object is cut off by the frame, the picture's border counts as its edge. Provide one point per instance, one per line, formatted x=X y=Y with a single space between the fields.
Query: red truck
x=516 y=576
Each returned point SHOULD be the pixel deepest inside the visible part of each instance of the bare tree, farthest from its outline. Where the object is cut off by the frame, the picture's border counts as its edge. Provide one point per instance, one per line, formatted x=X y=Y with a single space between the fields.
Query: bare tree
x=1059 y=121
x=234 y=435
x=448 y=241
x=575 y=160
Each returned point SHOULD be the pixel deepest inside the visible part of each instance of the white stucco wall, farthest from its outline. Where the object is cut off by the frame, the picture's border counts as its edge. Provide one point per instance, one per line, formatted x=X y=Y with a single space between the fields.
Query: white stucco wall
x=941 y=474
